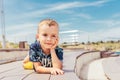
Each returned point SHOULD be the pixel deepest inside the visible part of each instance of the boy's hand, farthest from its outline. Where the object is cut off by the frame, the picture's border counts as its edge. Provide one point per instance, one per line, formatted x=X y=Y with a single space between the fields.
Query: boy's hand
x=56 y=43
x=55 y=71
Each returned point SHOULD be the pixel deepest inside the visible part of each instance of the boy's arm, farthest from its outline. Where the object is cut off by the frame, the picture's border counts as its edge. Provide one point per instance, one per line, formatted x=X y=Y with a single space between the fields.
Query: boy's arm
x=41 y=69
x=26 y=59
x=55 y=61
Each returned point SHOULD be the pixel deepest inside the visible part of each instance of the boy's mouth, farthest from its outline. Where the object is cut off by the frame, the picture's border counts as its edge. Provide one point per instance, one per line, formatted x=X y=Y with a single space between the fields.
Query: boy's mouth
x=48 y=43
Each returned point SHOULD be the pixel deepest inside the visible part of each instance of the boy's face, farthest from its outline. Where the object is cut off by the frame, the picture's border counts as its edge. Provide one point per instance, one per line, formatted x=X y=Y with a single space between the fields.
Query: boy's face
x=48 y=36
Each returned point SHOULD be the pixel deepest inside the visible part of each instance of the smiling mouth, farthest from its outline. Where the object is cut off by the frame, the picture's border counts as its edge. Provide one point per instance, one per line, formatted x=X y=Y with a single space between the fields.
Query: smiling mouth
x=48 y=43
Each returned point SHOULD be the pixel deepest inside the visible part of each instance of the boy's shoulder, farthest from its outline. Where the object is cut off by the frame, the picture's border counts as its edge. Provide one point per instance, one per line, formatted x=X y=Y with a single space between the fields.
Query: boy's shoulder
x=35 y=44
x=59 y=48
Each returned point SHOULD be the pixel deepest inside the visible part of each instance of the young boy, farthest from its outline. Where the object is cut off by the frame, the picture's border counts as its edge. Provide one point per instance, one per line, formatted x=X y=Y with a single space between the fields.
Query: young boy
x=44 y=53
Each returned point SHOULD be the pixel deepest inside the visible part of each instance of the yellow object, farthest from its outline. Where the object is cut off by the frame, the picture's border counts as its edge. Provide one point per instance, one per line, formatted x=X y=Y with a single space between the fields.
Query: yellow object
x=28 y=65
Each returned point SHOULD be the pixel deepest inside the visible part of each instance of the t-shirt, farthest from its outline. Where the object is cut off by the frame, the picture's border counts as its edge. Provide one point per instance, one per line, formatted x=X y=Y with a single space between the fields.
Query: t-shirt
x=36 y=54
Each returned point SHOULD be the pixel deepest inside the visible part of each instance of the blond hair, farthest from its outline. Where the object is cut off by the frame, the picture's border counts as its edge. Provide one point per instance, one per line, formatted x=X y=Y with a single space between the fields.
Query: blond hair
x=49 y=22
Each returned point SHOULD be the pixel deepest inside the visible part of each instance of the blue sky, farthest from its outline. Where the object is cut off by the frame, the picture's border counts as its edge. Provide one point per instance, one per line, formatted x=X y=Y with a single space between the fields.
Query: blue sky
x=79 y=20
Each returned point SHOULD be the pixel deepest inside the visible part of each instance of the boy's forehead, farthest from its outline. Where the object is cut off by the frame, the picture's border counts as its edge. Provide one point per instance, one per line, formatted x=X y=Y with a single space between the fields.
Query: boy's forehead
x=48 y=22
x=46 y=28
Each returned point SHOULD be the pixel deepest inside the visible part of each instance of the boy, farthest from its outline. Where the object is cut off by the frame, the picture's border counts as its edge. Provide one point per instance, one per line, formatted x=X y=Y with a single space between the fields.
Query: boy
x=44 y=53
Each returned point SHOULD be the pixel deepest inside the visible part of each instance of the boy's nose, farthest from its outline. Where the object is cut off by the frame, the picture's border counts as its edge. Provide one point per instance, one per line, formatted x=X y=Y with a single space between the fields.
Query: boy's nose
x=48 y=38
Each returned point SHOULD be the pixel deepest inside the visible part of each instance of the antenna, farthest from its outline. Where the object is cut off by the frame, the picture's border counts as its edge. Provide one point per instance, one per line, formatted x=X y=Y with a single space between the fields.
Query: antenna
x=3 y=23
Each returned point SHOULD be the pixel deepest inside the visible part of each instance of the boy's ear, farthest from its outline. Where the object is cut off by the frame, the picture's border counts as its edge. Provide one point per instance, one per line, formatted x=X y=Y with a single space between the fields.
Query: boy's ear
x=37 y=36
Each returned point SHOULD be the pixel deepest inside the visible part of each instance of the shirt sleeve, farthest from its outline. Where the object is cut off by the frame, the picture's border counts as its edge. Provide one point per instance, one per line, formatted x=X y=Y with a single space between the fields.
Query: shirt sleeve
x=33 y=54
x=59 y=53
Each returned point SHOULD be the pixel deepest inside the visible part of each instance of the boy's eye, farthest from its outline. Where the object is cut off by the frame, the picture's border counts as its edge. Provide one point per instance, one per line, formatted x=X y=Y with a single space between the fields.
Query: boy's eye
x=53 y=36
x=44 y=34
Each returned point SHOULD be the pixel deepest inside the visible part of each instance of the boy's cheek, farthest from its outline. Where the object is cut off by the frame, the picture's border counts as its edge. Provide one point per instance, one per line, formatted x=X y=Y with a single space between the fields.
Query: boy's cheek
x=57 y=39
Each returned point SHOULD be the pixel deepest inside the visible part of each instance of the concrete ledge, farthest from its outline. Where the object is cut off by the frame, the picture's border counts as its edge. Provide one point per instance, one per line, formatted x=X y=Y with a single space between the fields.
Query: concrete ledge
x=96 y=65
x=11 y=56
x=9 y=50
x=111 y=67
x=83 y=59
x=93 y=71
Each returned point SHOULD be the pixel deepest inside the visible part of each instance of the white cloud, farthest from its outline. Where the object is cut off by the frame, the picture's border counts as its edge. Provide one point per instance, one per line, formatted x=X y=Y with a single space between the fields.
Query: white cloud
x=116 y=15
x=64 y=24
x=83 y=15
x=21 y=36
x=112 y=32
x=104 y=35
x=96 y=3
x=0 y=38
x=21 y=32
x=107 y=23
x=19 y=27
x=71 y=31
x=61 y=6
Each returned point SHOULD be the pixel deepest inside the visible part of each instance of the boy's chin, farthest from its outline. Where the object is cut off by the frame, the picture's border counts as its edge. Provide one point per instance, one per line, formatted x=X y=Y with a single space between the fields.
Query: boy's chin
x=48 y=47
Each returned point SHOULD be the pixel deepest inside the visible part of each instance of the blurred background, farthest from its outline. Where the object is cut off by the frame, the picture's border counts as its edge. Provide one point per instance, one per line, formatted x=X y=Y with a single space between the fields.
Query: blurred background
x=87 y=24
